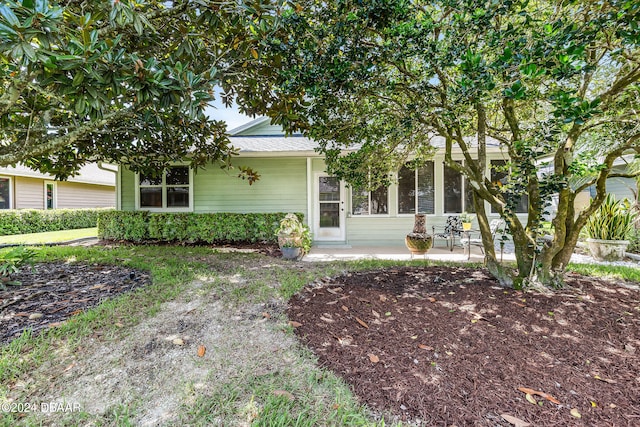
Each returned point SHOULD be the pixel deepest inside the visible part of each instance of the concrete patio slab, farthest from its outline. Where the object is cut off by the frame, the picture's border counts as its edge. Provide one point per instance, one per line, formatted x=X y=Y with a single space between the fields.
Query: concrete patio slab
x=400 y=253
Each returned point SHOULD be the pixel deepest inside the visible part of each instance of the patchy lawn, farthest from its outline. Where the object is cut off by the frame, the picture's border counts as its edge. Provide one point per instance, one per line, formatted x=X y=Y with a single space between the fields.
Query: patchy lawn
x=209 y=341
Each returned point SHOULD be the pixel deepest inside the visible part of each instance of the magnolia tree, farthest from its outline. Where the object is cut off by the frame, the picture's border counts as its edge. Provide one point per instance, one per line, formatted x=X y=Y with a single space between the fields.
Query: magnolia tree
x=123 y=81
x=555 y=83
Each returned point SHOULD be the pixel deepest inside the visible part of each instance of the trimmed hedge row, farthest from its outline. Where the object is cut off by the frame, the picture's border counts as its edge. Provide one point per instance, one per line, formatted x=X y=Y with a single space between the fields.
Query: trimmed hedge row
x=189 y=227
x=26 y=221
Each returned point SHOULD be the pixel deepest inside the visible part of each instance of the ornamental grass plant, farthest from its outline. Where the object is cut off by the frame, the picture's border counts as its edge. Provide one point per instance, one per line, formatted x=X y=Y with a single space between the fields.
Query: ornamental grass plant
x=614 y=220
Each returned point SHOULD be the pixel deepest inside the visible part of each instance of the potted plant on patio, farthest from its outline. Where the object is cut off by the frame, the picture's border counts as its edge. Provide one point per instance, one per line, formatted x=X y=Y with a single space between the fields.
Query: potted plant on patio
x=609 y=228
x=466 y=219
x=418 y=241
x=294 y=237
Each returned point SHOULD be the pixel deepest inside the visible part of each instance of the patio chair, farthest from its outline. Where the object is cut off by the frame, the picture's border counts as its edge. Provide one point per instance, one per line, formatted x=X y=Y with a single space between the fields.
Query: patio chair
x=496 y=225
x=452 y=229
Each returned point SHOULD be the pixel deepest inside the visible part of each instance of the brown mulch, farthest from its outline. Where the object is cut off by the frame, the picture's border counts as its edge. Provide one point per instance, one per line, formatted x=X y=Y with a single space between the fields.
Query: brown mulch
x=448 y=347
x=51 y=293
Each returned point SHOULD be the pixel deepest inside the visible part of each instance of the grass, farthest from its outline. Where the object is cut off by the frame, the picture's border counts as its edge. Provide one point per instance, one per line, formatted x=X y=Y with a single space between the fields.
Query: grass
x=240 y=280
x=48 y=237
x=607 y=271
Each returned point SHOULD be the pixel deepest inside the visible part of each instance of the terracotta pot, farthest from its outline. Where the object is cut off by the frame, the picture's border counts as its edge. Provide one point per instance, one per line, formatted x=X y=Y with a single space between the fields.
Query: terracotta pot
x=418 y=241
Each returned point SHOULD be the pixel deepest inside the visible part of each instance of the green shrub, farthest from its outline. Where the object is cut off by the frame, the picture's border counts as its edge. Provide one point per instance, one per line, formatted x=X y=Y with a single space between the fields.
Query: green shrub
x=189 y=227
x=25 y=221
x=117 y=225
x=612 y=221
x=634 y=241
x=12 y=262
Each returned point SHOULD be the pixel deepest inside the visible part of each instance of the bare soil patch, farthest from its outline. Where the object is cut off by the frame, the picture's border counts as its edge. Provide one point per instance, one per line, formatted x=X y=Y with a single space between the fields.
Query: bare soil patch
x=50 y=293
x=448 y=346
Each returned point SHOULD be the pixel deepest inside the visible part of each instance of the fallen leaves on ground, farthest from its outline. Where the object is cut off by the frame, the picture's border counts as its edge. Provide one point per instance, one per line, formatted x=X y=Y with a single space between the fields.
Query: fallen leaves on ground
x=539 y=393
x=201 y=350
x=362 y=323
x=517 y=422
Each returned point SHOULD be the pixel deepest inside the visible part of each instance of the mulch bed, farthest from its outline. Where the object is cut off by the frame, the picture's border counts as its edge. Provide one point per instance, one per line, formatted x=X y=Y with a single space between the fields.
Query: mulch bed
x=53 y=292
x=447 y=346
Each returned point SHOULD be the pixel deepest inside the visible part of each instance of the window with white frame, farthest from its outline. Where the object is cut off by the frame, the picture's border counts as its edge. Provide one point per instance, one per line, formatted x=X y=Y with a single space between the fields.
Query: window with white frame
x=374 y=202
x=5 y=193
x=499 y=177
x=171 y=190
x=50 y=196
x=416 y=189
x=458 y=194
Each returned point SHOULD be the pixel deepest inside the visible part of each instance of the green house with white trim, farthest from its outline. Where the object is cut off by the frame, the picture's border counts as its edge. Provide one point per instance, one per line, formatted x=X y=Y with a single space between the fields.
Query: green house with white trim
x=293 y=179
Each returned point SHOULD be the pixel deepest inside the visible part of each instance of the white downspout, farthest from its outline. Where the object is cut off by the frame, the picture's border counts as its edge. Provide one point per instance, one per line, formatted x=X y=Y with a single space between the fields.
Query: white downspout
x=309 y=193
x=118 y=181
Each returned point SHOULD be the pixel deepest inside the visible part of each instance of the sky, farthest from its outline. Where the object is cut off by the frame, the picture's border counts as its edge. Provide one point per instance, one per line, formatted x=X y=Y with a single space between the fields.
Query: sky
x=230 y=115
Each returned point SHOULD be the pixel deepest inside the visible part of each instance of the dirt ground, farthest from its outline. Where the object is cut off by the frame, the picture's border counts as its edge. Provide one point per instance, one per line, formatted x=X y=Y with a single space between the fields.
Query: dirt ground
x=435 y=346
x=447 y=346
x=188 y=349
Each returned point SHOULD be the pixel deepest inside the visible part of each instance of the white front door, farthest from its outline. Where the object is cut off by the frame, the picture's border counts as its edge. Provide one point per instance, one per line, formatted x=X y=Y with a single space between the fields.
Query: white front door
x=329 y=218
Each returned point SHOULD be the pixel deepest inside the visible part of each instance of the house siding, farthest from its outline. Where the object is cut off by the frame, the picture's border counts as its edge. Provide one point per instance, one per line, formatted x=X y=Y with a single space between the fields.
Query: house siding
x=282 y=187
x=74 y=195
x=621 y=187
x=29 y=193
x=378 y=231
x=127 y=189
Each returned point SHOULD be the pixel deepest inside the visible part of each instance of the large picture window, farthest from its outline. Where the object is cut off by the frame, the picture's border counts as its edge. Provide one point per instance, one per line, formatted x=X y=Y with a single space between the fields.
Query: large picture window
x=416 y=190
x=374 y=202
x=169 y=191
x=458 y=195
x=5 y=193
x=499 y=176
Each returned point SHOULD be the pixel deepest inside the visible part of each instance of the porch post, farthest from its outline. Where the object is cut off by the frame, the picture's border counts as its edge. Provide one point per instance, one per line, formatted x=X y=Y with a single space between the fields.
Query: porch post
x=309 y=219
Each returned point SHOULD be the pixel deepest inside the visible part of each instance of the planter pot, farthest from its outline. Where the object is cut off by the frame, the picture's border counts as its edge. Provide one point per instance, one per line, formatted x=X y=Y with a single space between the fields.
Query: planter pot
x=607 y=250
x=290 y=253
x=466 y=226
x=418 y=241
x=418 y=244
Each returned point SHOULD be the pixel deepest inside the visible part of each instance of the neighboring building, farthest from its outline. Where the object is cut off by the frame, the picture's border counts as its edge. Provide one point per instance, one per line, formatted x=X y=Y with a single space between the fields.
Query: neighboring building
x=24 y=188
x=294 y=179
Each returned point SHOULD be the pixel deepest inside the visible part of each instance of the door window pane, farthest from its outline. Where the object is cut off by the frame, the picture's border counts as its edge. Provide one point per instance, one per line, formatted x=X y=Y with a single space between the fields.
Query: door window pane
x=426 y=189
x=380 y=201
x=374 y=202
x=329 y=215
x=329 y=188
x=5 y=193
x=150 y=180
x=359 y=202
x=406 y=191
x=452 y=191
x=500 y=177
x=468 y=197
x=50 y=196
x=178 y=175
x=178 y=197
x=151 y=197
